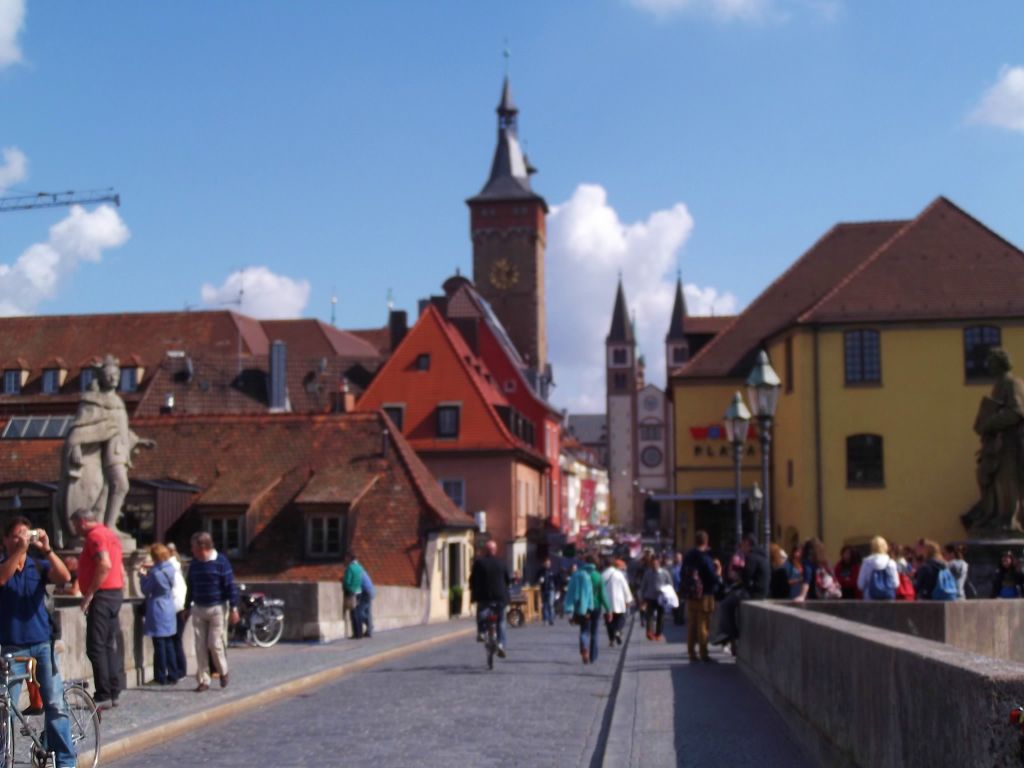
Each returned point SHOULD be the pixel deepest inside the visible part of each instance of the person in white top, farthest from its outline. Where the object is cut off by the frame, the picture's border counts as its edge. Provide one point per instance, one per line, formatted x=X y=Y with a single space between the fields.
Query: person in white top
x=616 y=589
x=179 y=608
x=878 y=578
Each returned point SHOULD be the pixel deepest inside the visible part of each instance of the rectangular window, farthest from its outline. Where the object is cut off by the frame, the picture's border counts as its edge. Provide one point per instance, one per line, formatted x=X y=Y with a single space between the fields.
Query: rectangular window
x=863 y=357
x=88 y=374
x=620 y=356
x=323 y=535
x=128 y=381
x=650 y=431
x=447 y=421
x=51 y=381
x=456 y=491
x=619 y=382
x=978 y=340
x=680 y=354
x=864 y=461
x=397 y=415
x=423 y=362
x=12 y=382
x=226 y=533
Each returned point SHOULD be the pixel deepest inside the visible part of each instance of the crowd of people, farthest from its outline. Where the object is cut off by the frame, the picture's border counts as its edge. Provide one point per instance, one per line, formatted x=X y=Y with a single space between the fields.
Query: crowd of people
x=28 y=628
x=700 y=590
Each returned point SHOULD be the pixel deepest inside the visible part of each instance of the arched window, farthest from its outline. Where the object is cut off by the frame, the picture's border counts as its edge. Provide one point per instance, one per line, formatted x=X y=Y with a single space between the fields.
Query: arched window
x=864 y=462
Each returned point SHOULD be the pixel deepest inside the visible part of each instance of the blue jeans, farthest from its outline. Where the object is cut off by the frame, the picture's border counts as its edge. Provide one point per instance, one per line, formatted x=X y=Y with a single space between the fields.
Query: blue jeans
x=51 y=686
x=547 y=607
x=481 y=625
x=165 y=661
x=364 y=605
x=595 y=623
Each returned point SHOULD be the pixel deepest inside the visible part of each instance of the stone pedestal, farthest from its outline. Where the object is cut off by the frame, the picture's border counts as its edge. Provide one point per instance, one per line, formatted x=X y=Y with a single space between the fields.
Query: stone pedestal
x=982 y=556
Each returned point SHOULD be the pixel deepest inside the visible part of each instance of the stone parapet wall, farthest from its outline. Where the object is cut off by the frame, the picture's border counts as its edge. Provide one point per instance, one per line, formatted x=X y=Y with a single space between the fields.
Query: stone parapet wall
x=990 y=627
x=856 y=695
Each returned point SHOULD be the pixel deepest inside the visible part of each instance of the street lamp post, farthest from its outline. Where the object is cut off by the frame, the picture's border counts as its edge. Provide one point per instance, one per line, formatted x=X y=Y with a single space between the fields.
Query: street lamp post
x=763 y=390
x=756 y=505
x=737 y=427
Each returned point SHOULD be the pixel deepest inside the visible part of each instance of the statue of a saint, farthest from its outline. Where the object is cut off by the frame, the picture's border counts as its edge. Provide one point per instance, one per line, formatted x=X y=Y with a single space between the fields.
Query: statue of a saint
x=98 y=450
x=1000 y=467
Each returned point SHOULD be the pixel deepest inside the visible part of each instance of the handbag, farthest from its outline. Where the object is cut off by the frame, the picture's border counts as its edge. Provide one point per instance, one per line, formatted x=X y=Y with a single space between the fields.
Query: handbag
x=349 y=602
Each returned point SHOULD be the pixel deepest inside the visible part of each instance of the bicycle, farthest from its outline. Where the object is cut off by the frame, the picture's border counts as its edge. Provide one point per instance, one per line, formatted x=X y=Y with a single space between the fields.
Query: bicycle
x=83 y=716
x=490 y=619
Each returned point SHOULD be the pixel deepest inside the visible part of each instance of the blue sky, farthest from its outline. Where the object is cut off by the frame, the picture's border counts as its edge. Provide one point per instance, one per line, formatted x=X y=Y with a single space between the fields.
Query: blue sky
x=332 y=144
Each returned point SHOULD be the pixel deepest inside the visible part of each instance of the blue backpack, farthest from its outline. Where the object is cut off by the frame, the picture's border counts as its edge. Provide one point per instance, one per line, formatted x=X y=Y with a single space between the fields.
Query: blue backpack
x=945 y=586
x=879 y=586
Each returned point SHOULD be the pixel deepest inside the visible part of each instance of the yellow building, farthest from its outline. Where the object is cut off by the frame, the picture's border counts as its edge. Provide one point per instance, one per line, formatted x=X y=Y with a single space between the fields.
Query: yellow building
x=879 y=334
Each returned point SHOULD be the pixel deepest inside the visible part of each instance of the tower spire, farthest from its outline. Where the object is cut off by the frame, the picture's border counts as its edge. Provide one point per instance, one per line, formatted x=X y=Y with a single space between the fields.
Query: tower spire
x=676 y=327
x=622 y=326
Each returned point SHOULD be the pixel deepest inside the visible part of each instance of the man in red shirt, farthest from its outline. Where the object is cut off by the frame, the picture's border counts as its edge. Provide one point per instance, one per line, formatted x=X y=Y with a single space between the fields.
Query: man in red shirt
x=101 y=577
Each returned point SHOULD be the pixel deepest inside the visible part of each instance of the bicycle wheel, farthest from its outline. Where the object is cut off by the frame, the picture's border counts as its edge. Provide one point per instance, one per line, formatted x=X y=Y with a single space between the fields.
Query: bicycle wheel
x=267 y=626
x=6 y=740
x=85 y=725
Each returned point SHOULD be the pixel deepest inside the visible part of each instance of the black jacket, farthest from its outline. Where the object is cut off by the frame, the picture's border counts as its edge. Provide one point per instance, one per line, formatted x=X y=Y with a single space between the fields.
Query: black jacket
x=755 y=574
x=700 y=561
x=926 y=577
x=489 y=580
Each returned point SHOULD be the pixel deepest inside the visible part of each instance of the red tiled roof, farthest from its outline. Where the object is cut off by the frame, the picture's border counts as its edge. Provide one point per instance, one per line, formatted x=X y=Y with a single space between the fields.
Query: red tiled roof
x=943 y=265
x=313 y=338
x=840 y=250
x=334 y=485
x=707 y=324
x=265 y=463
x=378 y=338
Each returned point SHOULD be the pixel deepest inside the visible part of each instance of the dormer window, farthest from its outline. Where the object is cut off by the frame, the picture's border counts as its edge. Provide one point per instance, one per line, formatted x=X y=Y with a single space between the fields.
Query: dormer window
x=423 y=362
x=129 y=380
x=12 y=381
x=51 y=381
x=87 y=377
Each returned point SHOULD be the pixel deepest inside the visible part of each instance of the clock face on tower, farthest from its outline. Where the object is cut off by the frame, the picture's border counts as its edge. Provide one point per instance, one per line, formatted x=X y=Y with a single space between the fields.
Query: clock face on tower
x=503 y=274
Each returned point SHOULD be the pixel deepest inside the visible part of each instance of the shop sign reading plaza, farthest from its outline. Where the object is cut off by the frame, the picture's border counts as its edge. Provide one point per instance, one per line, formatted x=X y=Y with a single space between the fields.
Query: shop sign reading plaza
x=712 y=441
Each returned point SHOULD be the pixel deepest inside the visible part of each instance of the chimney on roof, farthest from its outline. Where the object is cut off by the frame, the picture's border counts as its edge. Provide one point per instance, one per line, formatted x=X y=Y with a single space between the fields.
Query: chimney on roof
x=277 y=387
x=348 y=399
x=398 y=326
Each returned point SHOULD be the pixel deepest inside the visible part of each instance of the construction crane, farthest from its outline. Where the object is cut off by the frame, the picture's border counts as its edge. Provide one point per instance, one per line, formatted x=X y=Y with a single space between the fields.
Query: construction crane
x=58 y=199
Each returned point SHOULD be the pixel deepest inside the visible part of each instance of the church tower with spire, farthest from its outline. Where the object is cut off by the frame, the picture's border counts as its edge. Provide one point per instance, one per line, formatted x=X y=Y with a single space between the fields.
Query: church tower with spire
x=621 y=386
x=677 y=347
x=508 y=230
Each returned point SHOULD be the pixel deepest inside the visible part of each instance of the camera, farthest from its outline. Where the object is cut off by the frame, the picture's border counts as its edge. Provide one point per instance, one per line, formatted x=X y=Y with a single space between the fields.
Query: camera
x=33 y=536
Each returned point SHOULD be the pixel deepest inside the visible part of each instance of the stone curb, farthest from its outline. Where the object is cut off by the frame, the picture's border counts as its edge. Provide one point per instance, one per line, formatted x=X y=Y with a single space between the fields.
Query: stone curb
x=617 y=731
x=152 y=736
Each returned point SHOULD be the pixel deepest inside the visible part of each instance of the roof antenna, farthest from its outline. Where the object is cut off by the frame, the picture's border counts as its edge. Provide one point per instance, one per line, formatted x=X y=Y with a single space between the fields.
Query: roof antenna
x=334 y=304
x=391 y=300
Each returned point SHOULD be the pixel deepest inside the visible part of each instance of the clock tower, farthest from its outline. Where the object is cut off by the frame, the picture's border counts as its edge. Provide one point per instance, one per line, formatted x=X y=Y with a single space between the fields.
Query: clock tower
x=507 y=227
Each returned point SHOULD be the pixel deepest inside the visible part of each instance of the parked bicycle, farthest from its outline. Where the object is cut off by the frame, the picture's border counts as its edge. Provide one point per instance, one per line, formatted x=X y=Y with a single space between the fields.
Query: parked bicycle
x=260 y=618
x=83 y=715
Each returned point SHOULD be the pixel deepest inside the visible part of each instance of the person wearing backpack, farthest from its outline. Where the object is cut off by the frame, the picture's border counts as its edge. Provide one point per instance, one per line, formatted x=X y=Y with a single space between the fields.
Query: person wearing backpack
x=933 y=580
x=878 y=578
x=698 y=582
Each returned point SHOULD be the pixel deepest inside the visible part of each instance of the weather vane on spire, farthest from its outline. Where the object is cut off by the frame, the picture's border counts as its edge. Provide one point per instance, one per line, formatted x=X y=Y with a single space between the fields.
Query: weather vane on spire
x=507 y=53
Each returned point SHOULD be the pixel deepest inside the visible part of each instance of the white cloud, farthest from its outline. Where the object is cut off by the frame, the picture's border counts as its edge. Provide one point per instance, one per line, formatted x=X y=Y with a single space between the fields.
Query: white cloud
x=258 y=292
x=741 y=10
x=14 y=167
x=1003 y=103
x=38 y=272
x=588 y=246
x=12 y=19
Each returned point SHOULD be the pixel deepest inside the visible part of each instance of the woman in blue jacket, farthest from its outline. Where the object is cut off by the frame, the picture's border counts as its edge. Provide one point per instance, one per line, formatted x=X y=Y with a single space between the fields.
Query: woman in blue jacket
x=160 y=623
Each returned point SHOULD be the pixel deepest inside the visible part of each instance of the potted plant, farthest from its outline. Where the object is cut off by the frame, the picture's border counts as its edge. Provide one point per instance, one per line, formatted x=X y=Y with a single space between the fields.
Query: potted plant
x=455 y=601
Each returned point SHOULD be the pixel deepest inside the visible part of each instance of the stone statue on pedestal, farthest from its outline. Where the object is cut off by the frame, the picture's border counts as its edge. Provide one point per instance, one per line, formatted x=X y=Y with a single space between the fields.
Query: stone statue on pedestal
x=1000 y=460
x=97 y=451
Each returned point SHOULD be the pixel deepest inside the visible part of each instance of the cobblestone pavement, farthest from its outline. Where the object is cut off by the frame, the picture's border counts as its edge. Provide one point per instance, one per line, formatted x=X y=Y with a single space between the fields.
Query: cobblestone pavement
x=253 y=670
x=700 y=715
x=438 y=707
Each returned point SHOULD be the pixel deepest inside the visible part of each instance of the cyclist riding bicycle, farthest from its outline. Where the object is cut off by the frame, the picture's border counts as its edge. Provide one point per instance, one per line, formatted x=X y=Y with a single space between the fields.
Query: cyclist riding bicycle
x=25 y=624
x=488 y=583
